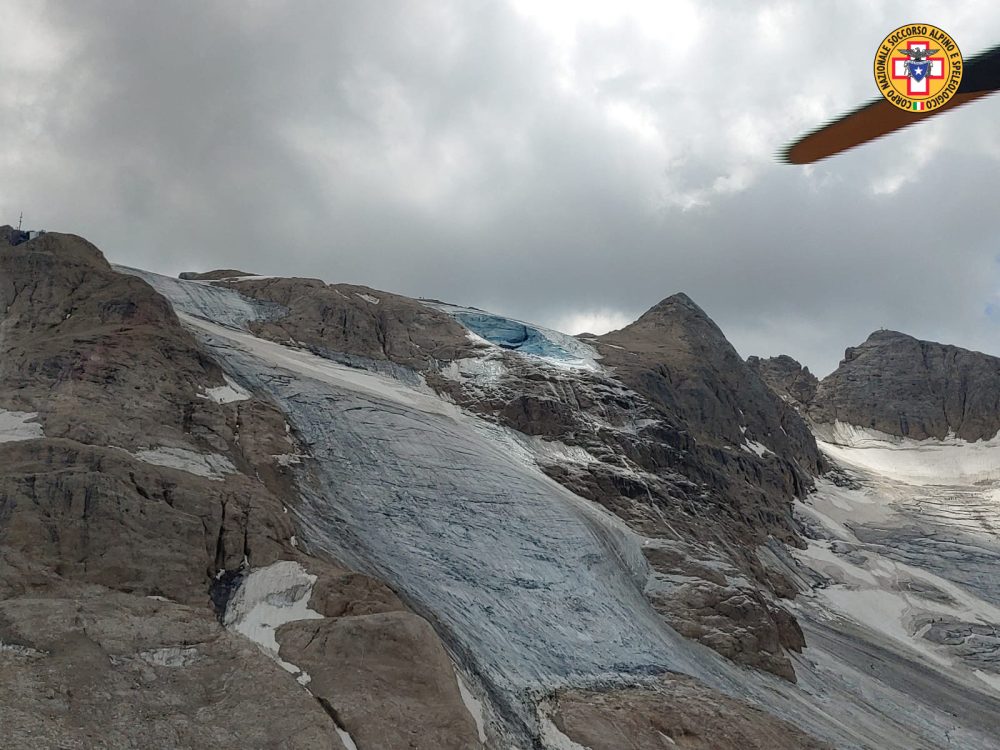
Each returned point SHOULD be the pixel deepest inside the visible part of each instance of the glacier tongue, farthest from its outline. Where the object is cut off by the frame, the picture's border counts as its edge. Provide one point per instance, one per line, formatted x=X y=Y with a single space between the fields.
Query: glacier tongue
x=202 y=299
x=515 y=573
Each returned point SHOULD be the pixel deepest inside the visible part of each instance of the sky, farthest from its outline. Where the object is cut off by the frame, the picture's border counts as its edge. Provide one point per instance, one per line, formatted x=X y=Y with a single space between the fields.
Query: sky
x=565 y=162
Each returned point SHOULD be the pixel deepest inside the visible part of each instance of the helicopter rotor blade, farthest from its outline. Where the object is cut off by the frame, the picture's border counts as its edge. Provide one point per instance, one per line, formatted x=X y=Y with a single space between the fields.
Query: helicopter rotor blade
x=877 y=118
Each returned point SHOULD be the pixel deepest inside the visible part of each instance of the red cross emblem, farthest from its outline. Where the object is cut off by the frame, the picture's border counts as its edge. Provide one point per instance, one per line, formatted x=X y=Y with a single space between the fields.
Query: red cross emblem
x=913 y=86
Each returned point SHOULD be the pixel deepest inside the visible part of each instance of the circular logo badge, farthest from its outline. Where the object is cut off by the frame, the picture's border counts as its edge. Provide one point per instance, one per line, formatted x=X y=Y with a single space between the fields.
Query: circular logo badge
x=918 y=67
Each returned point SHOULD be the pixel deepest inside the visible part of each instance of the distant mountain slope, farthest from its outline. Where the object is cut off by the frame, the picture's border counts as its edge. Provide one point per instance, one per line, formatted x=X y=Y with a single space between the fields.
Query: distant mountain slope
x=898 y=385
x=786 y=377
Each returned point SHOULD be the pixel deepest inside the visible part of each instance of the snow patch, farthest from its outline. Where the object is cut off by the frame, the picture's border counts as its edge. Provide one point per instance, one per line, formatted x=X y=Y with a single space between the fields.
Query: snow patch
x=916 y=462
x=474 y=706
x=993 y=680
x=892 y=598
x=16 y=650
x=552 y=738
x=758 y=449
x=17 y=425
x=267 y=599
x=226 y=394
x=368 y=298
x=171 y=656
x=209 y=465
x=346 y=738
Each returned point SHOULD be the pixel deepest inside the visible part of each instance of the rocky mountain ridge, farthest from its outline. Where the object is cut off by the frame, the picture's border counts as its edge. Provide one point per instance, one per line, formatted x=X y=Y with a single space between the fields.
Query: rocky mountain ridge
x=383 y=522
x=897 y=385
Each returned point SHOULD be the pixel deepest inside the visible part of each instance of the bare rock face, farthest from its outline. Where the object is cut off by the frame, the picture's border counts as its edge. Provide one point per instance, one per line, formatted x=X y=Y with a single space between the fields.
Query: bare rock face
x=141 y=479
x=366 y=667
x=899 y=385
x=74 y=331
x=676 y=356
x=139 y=489
x=902 y=386
x=111 y=670
x=101 y=516
x=706 y=601
x=786 y=377
x=359 y=321
x=674 y=712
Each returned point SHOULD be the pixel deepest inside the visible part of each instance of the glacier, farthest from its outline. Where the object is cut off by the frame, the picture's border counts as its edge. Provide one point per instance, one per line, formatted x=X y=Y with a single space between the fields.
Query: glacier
x=553 y=347
x=533 y=588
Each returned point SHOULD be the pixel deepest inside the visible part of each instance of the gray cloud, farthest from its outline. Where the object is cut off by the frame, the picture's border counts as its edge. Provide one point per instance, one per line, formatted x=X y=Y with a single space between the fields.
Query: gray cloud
x=558 y=161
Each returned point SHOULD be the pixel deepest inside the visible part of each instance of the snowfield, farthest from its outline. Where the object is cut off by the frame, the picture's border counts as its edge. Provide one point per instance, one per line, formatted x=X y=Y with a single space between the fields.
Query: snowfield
x=908 y=556
x=915 y=462
x=533 y=588
x=19 y=425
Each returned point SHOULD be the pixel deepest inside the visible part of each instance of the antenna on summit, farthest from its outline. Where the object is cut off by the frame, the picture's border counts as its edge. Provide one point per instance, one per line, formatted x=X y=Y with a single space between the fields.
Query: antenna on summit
x=19 y=220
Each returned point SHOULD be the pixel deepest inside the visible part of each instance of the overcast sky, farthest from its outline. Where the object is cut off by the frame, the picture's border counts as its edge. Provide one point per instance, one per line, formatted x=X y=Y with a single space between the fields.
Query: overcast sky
x=568 y=162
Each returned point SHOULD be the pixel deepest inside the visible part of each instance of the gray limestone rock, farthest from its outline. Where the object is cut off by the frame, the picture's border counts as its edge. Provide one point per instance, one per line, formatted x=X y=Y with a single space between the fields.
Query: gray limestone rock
x=786 y=377
x=902 y=386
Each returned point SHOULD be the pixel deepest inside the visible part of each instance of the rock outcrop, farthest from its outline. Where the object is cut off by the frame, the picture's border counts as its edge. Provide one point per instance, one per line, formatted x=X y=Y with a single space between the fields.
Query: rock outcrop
x=86 y=667
x=786 y=377
x=673 y=712
x=343 y=319
x=900 y=385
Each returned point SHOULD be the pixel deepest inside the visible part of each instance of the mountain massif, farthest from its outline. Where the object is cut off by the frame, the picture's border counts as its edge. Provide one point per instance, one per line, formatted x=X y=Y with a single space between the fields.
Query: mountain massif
x=897 y=385
x=246 y=511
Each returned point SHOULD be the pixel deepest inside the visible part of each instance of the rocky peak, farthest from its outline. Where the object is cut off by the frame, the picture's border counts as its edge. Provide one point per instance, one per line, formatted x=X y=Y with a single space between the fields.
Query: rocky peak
x=788 y=378
x=677 y=310
x=55 y=246
x=880 y=338
x=903 y=386
x=676 y=355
